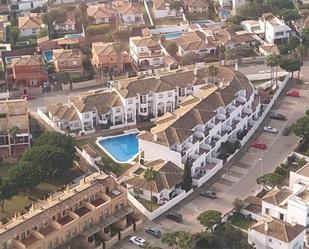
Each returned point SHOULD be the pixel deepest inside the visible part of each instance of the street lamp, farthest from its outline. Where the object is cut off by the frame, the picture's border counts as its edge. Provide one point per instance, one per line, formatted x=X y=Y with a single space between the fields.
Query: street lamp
x=261 y=160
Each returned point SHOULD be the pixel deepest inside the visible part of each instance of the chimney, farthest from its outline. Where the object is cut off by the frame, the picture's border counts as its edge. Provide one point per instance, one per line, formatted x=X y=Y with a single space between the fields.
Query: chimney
x=157 y=76
x=155 y=137
x=266 y=227
x=195 y=71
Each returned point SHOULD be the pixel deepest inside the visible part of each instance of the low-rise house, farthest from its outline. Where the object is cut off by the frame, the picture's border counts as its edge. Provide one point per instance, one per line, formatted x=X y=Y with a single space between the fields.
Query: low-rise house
x=68 y=60
x=162 y=10
x=268 y=49
x=146 y=52
x=232 y=4
x=14 y=115
x=27 y=71
x=275 y=30
x=100 y=13
x=93 y=212
x=274 y=234
x=107 y=59
x=130 y=13
x=26 y=5
x=196 y=6
x=30 y=25
x=167 y=178
x=66 y=27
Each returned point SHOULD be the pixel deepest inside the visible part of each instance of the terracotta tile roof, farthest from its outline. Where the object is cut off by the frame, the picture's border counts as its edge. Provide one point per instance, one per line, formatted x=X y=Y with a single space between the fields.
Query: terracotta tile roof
x=101 y=101
x=63 y=112
x=196 y=3
x=129 y=9
x=276 y=196
x=99 y=11
x=278 y=229
x=146 y=41
x=102 y=48
x=159 y=5
x=29 y=22
x=270 y=48
x=27 y=60
x=67 y=54
x=167 y=175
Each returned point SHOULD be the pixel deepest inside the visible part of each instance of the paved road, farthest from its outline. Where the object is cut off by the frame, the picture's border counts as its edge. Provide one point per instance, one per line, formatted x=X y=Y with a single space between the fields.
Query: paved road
x=240 y=179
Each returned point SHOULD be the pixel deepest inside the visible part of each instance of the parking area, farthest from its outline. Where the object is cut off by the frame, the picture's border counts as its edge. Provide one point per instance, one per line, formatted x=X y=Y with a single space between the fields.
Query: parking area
x=239 y=180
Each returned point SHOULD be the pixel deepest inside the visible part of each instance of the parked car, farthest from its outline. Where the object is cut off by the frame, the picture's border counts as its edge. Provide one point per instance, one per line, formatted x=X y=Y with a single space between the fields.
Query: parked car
x=209 y=194
x=278 y=116
x=286 y=131
x=175 y=217
x=271 y=129
x=293 y=93
x=156 y=232
x=138 y=241
x=259 y=145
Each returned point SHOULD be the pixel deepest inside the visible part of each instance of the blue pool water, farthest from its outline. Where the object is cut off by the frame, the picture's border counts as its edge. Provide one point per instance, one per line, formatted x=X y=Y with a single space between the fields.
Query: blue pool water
x=48 y=55
x=174 y=35
x=121 y=148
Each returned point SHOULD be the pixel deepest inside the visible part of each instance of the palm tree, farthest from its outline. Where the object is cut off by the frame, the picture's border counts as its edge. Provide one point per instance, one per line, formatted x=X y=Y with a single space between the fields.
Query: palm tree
x=272 y=61
x=118 y=47
x=213 y=71
x=13 y=130
x=149 y=175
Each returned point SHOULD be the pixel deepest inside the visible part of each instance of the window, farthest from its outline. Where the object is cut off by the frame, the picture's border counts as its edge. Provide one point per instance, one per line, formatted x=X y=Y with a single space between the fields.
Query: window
x=281 y=216
x=169 y=94
x=130 y=101
x=266 y=210
x=118 y=109
x=87 y=115
x=270 y=240
x=279 y=33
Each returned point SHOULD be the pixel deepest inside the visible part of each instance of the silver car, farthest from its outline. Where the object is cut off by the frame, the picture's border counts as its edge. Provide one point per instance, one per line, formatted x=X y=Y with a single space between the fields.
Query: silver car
x=271 y=129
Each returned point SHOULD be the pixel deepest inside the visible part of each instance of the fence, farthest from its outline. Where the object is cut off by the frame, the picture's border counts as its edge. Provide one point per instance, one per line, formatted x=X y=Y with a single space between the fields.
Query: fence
x=152 y=215
x=82 y=84
x=47 y=120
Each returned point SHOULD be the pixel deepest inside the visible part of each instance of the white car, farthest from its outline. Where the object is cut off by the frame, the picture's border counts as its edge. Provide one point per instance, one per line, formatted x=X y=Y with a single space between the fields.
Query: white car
x=270 y=129
x=138 y=241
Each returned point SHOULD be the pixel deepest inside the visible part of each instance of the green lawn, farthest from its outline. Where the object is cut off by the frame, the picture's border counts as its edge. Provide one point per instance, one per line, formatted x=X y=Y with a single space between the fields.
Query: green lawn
x=20 y=201
x=242 y=222
x=4 y=169
x=147 y=204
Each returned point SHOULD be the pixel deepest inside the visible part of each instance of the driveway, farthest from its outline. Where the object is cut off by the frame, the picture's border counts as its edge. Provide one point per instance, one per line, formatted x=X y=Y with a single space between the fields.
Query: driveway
x=239 y=181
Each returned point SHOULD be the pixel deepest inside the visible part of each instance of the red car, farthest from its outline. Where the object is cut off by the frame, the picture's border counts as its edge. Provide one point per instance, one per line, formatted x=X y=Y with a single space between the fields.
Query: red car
x=259 y=145
x=293 y=93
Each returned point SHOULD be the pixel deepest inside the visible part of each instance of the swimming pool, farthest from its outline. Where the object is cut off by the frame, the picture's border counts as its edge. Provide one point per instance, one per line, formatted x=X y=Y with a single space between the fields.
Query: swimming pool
x=48 y=55
x=122 y=148
x=174 y=35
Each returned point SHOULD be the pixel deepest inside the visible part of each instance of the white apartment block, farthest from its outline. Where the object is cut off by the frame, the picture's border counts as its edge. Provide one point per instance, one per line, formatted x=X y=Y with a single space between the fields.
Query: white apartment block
x=225 y=107
x=232 y=4
x=84 y=214
x=275 y=30
x=146 y=52
x=127 y=103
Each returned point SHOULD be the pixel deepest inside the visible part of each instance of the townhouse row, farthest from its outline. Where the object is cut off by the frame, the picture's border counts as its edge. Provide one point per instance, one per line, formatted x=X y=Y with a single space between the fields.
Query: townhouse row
x=93 y=213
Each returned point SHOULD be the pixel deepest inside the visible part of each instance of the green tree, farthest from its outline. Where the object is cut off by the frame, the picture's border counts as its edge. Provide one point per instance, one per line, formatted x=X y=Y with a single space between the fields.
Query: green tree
x=289 y=15
x=172 y=48
x=273 y=61
x=305 y=36
x=293 y=43
x=149 y=175
x=177 y=240
x=209 y=219
x=43 y=32
x=212 y=71
x=238 y=205
x=13 y=131
x=187 y=178
x=301 y=126
x=7 y=191
x=269 y=180
x=25 y=176
x=186 y=60
x=58 y=140
x=149 y=246
x=290 y=64
x=14 y=35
